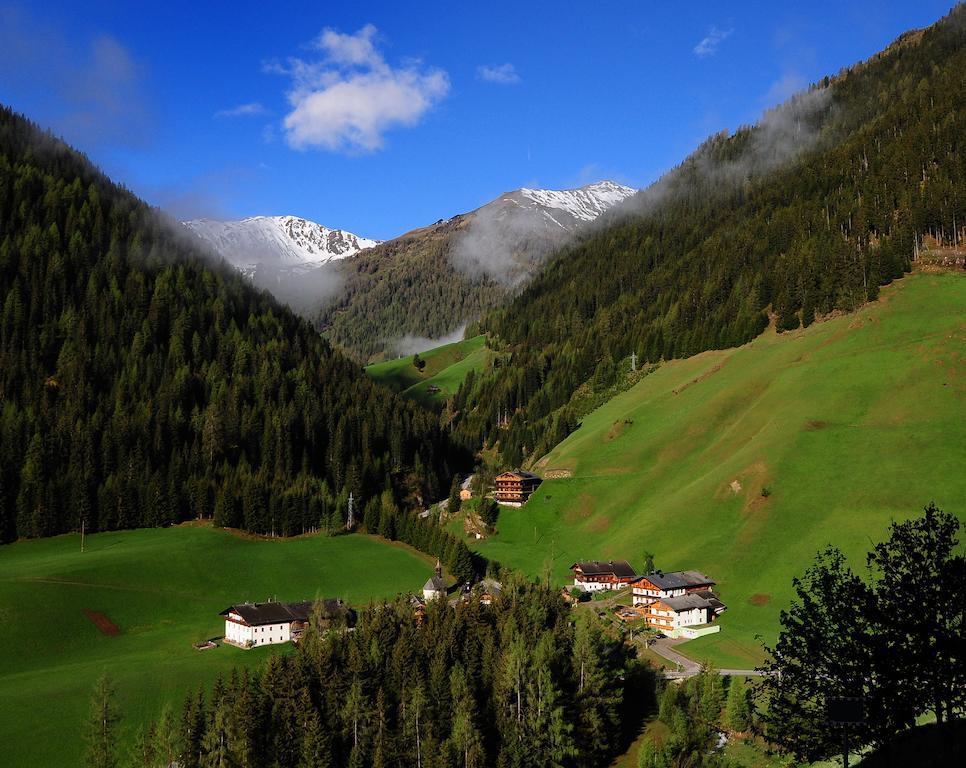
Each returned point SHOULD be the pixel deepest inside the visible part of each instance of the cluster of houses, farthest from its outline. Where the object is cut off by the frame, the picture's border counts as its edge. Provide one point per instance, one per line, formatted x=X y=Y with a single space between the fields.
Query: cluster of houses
x=673 y=603
x=251 y=625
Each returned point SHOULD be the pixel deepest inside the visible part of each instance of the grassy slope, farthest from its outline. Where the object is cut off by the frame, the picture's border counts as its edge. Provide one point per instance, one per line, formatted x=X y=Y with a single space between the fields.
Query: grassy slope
x=446 y=367
x=851 y=423
x=164 y=589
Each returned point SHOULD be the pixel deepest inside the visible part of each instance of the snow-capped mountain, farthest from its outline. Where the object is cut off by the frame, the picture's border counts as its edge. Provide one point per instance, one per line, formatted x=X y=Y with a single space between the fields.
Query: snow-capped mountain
x=509 y=238
x=567 y=208
x=273 y=243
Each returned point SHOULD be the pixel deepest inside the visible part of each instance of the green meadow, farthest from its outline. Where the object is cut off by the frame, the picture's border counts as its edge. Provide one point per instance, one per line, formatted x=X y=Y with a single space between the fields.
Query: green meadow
x=743 y=463
x=446 y=368
x=163 y=588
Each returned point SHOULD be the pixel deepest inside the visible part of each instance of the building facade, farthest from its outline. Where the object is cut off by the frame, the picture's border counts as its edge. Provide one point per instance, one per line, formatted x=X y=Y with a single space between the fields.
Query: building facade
x=250 y=625
x=515 y=487
x=435 y=586
x=594 y=575
x=674 y=613
x=660 y=586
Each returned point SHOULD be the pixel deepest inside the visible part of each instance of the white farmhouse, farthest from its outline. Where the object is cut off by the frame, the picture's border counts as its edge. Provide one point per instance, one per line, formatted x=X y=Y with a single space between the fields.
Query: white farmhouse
x=673 y=613
x=661 y=586
x=249 y=625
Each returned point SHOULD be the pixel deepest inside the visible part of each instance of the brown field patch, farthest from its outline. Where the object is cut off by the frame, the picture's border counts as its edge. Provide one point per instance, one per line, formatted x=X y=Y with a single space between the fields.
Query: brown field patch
x=103 y=624
x=617 y=429
x=759 y=599
x=814 y=424
x=582 y=509
x=600 y=524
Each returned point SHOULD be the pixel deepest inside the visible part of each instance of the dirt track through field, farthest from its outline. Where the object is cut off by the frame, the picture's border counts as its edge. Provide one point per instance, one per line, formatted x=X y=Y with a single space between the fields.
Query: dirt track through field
x=104 y=624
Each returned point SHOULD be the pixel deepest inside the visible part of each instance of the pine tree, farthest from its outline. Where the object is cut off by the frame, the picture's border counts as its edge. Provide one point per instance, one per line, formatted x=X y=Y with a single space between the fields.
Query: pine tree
x=453 y=505
x=102 y=726
x=165 y=742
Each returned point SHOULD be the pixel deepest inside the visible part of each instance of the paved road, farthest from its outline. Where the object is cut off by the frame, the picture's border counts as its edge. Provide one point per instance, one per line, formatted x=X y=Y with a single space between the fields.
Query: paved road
x=664 y=647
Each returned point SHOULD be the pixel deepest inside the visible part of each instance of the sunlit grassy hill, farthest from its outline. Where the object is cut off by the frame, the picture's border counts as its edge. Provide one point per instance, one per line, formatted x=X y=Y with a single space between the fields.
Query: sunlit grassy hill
x=163 y=589
x=745 y=462
x=446 y=368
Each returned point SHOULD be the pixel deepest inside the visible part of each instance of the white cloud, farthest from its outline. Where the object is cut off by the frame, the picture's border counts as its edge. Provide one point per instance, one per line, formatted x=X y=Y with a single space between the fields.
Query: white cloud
x=350 y=98
x=504 y=74
x=351 y=50
x=242 y=110
x=710 y=43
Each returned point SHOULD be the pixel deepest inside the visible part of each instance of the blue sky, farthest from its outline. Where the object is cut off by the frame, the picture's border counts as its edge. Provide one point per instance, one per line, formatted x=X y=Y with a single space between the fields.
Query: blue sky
x=379 y=117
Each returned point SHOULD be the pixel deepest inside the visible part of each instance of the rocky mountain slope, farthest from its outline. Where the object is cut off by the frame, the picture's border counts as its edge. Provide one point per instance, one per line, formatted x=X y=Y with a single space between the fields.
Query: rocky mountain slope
x=277 y=243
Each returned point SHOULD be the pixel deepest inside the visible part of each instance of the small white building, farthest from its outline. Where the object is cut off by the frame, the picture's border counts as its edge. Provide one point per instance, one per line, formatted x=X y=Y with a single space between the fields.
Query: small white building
x=435 y=587
x=249 y=625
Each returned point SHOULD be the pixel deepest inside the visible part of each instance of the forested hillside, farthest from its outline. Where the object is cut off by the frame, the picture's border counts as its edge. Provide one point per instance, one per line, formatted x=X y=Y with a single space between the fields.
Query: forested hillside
x=407 y=286
x=520 y=684
x=432 y=281
x=140 y=386
x=806 y=213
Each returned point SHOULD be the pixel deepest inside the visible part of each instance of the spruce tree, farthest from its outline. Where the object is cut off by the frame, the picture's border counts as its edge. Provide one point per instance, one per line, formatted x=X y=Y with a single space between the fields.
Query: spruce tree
x=102 y=726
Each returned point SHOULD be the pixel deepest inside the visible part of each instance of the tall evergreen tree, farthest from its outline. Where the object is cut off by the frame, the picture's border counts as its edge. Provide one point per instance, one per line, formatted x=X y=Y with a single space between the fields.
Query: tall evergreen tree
x=102 y=723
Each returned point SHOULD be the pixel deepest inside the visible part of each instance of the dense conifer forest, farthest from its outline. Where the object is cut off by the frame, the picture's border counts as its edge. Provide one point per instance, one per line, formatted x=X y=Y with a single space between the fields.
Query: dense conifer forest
x=518 y=683
x=407 y=286
x=140 y=386
x=807 y=213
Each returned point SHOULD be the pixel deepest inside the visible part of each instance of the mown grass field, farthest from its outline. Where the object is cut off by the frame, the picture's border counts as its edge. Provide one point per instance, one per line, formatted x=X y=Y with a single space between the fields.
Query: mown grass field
x=163 y=588
x=446 y=368
x=849 y=424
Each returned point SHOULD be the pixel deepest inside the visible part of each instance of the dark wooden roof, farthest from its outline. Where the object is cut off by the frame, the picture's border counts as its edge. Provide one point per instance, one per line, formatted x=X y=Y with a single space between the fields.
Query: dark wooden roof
x=619 y=568
x=716 y=605
x=518 y=474
x=678 y=579
x=257 y=614
x=685 y=602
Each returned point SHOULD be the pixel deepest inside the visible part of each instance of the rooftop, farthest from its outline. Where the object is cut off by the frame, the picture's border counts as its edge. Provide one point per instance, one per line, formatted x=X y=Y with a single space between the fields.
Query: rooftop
x=257 y=614
x=685 y=602
x=620 y=568
x=519 y=474
x=678 y=579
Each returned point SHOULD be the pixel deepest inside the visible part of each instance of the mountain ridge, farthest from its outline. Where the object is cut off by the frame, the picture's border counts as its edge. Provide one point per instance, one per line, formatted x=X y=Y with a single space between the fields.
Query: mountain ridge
x=285 y=241
x=434 y=279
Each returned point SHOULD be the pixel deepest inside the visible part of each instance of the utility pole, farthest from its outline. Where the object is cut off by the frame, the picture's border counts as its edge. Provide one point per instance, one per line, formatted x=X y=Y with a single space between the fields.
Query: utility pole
x=351 y=521
x=82 y=534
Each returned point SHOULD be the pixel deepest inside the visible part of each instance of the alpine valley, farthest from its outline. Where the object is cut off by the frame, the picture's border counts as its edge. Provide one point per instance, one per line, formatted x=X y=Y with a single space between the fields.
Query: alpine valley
x=426 y=283
x=666 y=477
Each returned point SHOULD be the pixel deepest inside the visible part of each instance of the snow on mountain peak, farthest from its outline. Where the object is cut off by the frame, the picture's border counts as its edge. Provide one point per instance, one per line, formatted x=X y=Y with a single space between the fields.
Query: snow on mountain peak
x=584 y=203
x=277 y=241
